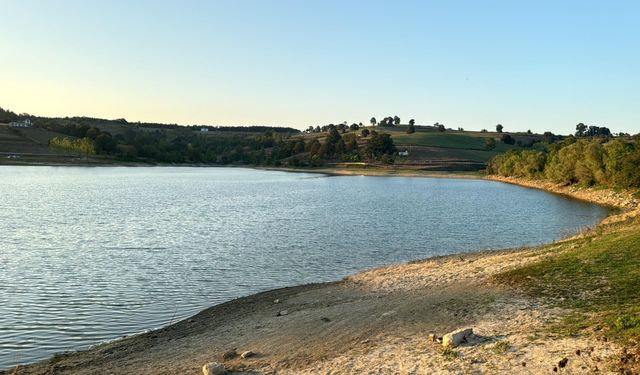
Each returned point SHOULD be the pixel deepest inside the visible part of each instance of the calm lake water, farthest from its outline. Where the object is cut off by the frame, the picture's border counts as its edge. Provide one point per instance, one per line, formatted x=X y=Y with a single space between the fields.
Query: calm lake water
x=91 y=254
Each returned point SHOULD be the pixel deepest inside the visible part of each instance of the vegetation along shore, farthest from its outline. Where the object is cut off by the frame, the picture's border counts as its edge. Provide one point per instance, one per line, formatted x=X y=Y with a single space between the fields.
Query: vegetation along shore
x=570 y=306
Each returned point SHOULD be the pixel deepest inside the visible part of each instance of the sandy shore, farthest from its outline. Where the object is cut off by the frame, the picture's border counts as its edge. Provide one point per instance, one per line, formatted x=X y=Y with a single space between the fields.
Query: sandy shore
x=374 y=322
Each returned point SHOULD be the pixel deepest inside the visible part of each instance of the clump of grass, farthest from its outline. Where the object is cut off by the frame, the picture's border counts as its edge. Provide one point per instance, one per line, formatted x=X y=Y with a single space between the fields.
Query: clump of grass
x=598 y=276
x=449 y=354
x=501 y=347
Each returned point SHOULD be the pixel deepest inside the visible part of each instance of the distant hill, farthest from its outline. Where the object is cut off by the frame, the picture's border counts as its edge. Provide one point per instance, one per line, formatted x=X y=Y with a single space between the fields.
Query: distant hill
x=86 y=140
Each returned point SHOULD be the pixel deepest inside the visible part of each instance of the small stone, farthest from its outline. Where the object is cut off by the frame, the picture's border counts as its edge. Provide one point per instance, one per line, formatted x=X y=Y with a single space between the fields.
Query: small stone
x=524 y=364
x=213 y=368
x=563 y=362
x=325 y=319
x=247 y=354
x=432 y=337
x=457 y=337
x=578 y=352
x=276 y=301
x=555 y=369
x=283 y=312
x=229 y=354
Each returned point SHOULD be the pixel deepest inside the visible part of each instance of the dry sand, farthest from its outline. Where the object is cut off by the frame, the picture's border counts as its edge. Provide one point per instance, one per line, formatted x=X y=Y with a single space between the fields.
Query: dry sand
x=374 y=322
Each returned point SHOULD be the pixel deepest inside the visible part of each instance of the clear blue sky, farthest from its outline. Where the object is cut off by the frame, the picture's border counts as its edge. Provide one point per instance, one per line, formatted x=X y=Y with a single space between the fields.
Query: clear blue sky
x=539 y=65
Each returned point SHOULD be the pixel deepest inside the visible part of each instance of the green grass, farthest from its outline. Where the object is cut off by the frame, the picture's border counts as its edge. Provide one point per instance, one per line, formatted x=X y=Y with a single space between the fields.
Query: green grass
x=449 y=354
x=501 y=347
x=445 y=139
x=597 y=276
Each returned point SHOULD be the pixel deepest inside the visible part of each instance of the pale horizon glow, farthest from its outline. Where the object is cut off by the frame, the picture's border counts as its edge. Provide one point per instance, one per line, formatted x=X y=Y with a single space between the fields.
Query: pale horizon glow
x=538 y=65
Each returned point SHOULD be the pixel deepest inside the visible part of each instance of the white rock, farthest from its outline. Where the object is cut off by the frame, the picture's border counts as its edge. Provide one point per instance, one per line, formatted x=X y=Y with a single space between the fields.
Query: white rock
x=213 y=368
x=247 y=354
x=455 y=338
x=283 y=312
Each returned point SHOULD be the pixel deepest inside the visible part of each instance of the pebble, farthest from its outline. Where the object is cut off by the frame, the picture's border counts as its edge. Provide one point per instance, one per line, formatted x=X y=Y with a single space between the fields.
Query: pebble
x=563 y=362
x=283 y=312
x=213 y=368
x=229 y=354
x=247 y=354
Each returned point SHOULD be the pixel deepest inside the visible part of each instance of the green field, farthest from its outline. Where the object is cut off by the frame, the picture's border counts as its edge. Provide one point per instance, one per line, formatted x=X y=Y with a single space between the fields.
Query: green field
x=459 y=140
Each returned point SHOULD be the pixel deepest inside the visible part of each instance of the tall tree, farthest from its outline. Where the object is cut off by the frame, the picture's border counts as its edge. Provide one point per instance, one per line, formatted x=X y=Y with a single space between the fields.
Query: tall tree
x=499 y=128
x=373 y=121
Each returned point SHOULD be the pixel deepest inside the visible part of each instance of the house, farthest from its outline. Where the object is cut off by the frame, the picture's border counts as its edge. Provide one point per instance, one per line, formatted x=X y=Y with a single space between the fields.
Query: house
x=26 y=123
x=204 y=129
x=403 y=153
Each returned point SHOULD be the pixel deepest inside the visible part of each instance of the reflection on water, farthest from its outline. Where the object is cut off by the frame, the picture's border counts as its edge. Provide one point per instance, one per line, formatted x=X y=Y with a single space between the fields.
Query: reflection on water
x=91 y=254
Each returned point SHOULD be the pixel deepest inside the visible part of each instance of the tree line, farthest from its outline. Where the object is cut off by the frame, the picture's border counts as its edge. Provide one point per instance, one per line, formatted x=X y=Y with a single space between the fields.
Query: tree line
x=181 y=144
x=595 y=161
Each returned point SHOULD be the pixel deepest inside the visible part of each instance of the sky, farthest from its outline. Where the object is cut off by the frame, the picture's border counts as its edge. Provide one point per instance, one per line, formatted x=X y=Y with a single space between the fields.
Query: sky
x=538 y=65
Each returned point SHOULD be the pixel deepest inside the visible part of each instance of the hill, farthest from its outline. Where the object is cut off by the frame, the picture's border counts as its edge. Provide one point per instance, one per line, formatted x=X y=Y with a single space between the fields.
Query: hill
x=86 y=140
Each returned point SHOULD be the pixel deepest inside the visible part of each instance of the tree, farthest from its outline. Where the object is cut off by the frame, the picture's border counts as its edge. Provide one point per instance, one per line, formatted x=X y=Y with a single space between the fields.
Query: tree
x=580 y=129
x=549 y=137
x=365 y=132
x=373 y=121
x=499 y=128
x=412 y=122
x=354 y=127
x=489 y=144
x=396 y=120
x=411 y=129
x=380 y=144
x=7 y=116
x=507 y=139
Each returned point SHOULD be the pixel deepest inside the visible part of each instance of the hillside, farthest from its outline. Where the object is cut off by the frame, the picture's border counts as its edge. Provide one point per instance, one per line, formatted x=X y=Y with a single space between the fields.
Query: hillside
x=26 y=139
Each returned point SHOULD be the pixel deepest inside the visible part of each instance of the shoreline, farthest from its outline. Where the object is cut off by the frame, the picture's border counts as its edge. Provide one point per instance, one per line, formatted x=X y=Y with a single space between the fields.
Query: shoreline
x=378 y=286
x=329 y=171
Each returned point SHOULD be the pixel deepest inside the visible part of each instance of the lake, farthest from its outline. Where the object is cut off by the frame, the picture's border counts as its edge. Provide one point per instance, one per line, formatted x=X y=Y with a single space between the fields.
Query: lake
x=92 y=254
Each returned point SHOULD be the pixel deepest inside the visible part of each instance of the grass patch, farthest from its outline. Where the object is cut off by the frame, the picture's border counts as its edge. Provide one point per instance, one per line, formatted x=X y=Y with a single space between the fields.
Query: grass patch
x=449 y=354
x=598 y=276
x=444 y=139
x=501 y=347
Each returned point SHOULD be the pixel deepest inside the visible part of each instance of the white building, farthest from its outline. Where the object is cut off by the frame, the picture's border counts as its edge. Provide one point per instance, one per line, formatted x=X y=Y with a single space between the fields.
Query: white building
x=204 y=129
x=403 y=153
x=26 y=123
